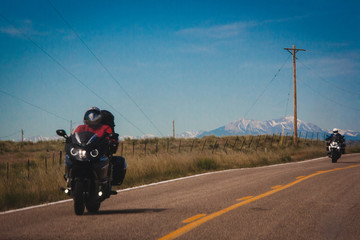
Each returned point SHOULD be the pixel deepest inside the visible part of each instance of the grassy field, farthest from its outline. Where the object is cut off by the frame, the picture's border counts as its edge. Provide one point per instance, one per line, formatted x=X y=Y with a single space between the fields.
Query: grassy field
x=32 y=173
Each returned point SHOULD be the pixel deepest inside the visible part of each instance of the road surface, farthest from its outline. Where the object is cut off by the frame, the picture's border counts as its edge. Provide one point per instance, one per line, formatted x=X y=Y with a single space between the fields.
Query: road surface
x=313 y=199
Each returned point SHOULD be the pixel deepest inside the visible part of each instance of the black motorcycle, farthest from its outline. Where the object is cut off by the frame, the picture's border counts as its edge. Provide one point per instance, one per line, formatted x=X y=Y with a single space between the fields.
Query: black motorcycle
x=334 y=150
x=88 y=170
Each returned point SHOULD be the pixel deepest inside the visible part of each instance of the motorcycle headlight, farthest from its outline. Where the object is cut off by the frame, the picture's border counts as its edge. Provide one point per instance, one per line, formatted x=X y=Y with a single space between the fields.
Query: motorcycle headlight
x=80 y=152
x=74 y=151
x=94 y=153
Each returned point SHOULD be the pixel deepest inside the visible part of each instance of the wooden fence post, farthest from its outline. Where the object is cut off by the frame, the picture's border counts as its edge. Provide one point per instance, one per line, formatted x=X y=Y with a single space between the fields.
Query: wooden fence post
x=225 y=145
x=179 y=146
x=133 y=148
x=28 y=167
x=46 y=164
x=7 y=170
x=60 y=159
x=243 y=143
x=203 y=146
x=168 y=143
x=214 y=147
x=192 y=145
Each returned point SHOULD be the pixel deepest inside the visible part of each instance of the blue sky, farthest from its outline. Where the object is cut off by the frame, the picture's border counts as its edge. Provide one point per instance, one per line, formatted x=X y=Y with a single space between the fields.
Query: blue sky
x=200 y=63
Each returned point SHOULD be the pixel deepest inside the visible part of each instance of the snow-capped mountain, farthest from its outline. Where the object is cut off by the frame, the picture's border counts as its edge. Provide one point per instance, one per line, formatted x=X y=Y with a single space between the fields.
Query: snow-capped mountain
x=286 y=125
x=256 y=127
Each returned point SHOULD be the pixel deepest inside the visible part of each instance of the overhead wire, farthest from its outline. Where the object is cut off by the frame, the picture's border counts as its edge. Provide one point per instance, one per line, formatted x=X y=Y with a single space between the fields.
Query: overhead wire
x=69 y=72
x=327 y=81
x=11 y=135
x=104 y=67
x=327 y=98
x=33 y=105
x=266 y=87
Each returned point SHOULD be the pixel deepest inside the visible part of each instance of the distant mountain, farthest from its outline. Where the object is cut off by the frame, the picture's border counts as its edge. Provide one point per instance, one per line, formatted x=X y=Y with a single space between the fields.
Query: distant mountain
x=255 y=127
x=41 y=139
x=244 y=127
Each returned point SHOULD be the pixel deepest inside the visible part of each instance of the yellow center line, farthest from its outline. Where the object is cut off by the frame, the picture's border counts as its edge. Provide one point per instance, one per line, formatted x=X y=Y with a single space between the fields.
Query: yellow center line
x=209 y=217
x=277 y=186
x=193 y=218
x=244 y=198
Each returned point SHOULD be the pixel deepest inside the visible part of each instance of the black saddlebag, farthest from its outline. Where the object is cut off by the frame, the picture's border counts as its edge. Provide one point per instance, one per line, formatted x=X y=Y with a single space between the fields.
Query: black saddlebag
x=119 y=166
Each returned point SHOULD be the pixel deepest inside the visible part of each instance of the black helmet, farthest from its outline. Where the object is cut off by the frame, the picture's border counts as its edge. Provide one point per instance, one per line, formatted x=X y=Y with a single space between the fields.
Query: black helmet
x=92 y=116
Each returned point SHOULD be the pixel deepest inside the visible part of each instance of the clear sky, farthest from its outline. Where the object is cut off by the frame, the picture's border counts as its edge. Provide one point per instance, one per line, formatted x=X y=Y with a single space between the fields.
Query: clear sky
x=200 y=63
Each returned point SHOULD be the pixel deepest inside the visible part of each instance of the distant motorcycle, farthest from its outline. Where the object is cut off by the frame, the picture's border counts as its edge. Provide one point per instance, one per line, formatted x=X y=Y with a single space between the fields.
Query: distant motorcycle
x=334 y=150
x=88 y=172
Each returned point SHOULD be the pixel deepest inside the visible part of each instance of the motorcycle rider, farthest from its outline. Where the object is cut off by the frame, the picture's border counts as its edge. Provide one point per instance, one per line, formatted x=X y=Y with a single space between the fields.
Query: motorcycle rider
x=92 y=123
x=336 y=136
x=101 y=122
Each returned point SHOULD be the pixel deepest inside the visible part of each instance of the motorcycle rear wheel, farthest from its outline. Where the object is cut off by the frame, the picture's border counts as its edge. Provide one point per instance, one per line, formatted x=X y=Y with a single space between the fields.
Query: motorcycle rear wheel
x=79 y=206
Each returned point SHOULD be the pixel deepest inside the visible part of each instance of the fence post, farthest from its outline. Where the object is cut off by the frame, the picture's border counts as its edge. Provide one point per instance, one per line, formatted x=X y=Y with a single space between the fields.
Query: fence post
x=28 y=167
x=214 y=146
x=237 y=138
x=243 y=143
x=192 y=145
x=167 y=146
x=7 y=170
x=179 y=146
x=225 y=145
x=133 y=148
x=203 y=146
x=145 y=147
x=60 y=159
x=46 y=164
x=251 y=139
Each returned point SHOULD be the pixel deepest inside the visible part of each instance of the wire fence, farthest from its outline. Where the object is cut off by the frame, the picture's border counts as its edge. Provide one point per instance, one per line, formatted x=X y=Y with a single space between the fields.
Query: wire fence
x=206 y=145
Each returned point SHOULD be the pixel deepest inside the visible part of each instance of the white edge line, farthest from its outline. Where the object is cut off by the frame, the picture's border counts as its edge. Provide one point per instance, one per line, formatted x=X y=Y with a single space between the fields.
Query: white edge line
x=162 y=182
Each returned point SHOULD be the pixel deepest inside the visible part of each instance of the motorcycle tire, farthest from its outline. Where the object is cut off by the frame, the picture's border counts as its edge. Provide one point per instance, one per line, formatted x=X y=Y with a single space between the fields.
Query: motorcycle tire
x=334 y=160
x=79 y=205
x=93 y=208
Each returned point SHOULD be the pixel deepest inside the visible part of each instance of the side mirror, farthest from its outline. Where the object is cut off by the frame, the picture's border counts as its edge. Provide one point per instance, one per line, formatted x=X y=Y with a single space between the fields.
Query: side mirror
x=114 y=136
x=62 y=133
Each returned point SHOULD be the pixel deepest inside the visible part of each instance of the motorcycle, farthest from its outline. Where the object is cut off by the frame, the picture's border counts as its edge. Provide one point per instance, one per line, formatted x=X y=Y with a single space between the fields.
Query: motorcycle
x=88 y=171
x=334 y=150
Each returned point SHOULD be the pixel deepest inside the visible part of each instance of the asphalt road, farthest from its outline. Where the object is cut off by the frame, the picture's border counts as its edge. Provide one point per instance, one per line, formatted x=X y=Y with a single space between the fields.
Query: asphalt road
x=308 y=200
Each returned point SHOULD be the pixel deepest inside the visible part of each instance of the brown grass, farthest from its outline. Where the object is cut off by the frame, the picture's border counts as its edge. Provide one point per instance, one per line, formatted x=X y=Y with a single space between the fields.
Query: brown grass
x=35 y=175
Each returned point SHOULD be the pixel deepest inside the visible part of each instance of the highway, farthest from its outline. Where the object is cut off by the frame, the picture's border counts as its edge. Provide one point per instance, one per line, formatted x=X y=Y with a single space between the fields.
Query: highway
x=314 y=199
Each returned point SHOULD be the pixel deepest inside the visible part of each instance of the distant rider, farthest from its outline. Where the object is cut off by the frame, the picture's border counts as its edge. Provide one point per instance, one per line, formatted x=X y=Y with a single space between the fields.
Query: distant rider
x=336 y=136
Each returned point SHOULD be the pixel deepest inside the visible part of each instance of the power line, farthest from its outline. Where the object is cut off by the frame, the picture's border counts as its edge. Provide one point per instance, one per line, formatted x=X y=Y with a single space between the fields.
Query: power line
x=266 y=87
x=33 y=105
x=105 y=68
x=327 y=81
x=12 y=134
x=68 y=72
x=329 y=99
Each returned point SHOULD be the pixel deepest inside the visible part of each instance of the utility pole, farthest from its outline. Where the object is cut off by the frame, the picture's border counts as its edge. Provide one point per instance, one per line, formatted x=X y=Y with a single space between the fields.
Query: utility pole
x=293 y=51
x=22 y=135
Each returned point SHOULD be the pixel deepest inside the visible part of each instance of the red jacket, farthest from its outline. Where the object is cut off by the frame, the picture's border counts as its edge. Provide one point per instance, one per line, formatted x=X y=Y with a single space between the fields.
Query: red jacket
x=99 y=129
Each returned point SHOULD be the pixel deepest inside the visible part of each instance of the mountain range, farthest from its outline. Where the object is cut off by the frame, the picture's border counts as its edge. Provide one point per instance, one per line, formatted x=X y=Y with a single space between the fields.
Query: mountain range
x=247 y=127
x=255 y=127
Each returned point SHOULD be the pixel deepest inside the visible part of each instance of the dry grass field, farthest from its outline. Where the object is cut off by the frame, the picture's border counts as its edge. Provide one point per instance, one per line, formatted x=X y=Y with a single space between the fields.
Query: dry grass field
x=32 y=173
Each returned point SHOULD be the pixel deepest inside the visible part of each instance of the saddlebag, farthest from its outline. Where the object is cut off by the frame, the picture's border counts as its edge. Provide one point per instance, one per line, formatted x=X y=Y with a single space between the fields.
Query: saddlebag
x=119 y=166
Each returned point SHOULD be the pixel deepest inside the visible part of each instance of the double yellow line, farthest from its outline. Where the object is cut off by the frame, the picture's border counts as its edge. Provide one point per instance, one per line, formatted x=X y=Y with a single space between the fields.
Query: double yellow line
x=199 y=219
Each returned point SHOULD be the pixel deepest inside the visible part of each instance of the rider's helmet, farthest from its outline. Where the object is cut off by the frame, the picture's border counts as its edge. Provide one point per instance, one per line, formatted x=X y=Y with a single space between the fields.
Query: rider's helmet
x=92 y=116
x=335 y=130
